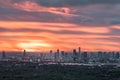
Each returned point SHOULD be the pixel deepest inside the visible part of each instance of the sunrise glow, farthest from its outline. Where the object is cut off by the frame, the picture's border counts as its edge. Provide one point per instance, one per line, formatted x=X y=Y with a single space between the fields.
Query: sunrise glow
x=34 y=26
x=33 y=45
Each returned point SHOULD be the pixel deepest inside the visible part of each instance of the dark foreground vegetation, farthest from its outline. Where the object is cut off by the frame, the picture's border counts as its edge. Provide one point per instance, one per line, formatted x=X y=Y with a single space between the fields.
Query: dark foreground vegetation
x=34 y=71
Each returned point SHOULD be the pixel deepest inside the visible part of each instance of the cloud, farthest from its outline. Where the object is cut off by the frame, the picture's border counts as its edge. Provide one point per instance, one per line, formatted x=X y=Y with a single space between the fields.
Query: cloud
x=67 y=31
x=63 y=3
x=115 y=21
x=34 y=7
x=67 y=23
x=99 y=13
x=56 y=28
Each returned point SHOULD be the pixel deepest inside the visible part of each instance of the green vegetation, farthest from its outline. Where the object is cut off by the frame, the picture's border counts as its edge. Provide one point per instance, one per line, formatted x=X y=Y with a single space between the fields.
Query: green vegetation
x=57 y=72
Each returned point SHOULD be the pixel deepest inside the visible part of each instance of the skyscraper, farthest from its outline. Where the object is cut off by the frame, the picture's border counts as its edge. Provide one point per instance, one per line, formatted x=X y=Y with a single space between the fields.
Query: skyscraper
x=79 y=54
x=79 y=50
x=58 y=51
x=117 y=56
x=51 y=51
x=51 y=55
x=24 y=53
x=63 y=56
x=56 y=56
x=75 y=55
x=3 y=55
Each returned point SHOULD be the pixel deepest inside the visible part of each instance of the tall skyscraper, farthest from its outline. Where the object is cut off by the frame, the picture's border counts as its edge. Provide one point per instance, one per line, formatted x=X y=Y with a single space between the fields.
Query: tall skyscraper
x=63 y=56
x=51 y=51
x=24 y=53
x=79 y=54
x=56 y=56
x=79 y=50
x=51 y=55
x=3 y=55
x=75 y=55
x=117 y=55
x=58 y=51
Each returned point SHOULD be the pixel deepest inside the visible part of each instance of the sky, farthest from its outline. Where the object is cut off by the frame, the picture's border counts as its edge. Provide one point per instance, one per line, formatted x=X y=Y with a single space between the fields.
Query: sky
x=41 y=25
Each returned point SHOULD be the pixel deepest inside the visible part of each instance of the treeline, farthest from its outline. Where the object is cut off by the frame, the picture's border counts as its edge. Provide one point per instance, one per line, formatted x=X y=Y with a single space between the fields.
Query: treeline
x=59 y=72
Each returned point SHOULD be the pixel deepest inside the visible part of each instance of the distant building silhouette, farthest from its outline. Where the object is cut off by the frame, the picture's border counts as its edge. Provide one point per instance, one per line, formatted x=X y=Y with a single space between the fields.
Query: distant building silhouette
x=75 y=55
x=51 y=55
x=100 y=55
x=51 y=51
x=63 y=56
x=79 y=50
x=24 y=54
x=3 y=55
x=85 y=57
x=56 y=56
x=41 y=57
x=117 y=56
x=79 y=54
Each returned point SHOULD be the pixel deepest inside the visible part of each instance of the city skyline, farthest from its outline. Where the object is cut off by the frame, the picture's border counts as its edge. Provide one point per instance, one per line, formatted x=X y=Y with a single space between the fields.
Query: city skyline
x=59 y=56
x=43 y=25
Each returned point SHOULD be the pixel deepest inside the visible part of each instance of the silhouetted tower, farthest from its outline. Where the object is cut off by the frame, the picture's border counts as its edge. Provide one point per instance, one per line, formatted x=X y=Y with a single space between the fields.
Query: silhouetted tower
x=79 y=53
x=113 y=54
x=24 y=53
x=117 y=56
x=79 y=50
x=3 y=55
x=75 y=55
x=51 y=55
x=56 y=57
x=58 y=51
x=51 y=51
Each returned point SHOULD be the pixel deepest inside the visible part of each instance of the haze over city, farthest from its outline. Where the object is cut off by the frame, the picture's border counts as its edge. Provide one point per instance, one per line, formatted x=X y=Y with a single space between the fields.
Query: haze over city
x=43 y=25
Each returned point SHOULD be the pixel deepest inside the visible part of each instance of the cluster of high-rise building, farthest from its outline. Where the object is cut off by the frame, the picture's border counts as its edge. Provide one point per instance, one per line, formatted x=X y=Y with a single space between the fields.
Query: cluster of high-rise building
x=76 y=56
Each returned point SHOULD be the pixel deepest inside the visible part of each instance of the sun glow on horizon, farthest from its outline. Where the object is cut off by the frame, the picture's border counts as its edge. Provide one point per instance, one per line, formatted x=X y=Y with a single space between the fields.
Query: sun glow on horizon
x=33 y=45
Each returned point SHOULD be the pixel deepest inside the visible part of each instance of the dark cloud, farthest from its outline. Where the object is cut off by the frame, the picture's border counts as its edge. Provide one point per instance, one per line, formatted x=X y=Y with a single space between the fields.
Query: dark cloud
x=3 y=29
x=115 y=32
x=68 y=32
x=115 y=21
x=20 y=15
x=86 y=16
x=61 y=3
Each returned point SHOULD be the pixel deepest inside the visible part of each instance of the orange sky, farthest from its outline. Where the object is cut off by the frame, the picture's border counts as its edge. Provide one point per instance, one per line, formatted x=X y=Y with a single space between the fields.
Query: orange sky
x=40 y=36
x=36 y=27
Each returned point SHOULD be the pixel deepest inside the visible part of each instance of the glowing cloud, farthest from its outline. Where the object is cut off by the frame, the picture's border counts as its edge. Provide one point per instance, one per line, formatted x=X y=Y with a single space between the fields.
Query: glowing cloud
x=37 y=25
x=32 y=45
x=34 y=7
